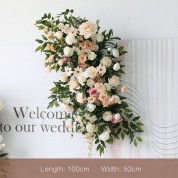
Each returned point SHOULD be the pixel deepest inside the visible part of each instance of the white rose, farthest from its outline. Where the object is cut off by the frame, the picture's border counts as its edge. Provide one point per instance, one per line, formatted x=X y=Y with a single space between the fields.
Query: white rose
x=58 y=35
x=116 y=66
x=63 y=77
x=79 y=98
x=91 y=107
x=105 y=135
x=48 y=69
x=107 y=116
x=90 y=72
x=1 y=105
x=70 y=39
x=106 y=61
x=90 y=128
x=99 y=37
x=68 y=51
x=90 y=83
x=87 y=29
x=115 y=52
x=2 y=145
x=117 y=116
x=92 y=119
x=92 y=56
x=114 y=81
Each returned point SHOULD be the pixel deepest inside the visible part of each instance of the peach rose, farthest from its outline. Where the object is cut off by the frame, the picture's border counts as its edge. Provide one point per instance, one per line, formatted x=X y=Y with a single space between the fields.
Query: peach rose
x=103 y=97
x=51 y=47
x=82 y=58
x=91 y=99
x=105 y=103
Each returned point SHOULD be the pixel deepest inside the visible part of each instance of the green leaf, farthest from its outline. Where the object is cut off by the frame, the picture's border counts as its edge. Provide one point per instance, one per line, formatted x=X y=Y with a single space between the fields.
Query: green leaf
x=135 y=143
x=43 y=47
x=125 y=124
x=49 y=15
x=97 y=141
x=39 y=41
x=101 y=150
x=121 y=48
x=118 y=132
x=44 y=37
x=139 y=139
x=98 y=147
x=133 y=126
x=122 y=135
x=116 y=38
x=128 y=110
x=136 y=118
x=103 y=143
x=38 y=48
x=3 y=155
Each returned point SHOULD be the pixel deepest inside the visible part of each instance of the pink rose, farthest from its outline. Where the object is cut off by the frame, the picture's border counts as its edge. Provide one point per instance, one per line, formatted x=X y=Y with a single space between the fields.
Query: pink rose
x=93 y=92
x=65 y=59
x=117 y=118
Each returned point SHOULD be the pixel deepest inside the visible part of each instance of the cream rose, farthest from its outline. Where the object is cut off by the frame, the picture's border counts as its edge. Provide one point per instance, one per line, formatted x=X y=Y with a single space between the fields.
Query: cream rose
x=68 y=51
x=81 y=79
x=90 y=128
x=58 y=35
x=106 y=61
x=80 y=98
x=90 y=72
x=92 y=119
x=107 y=116
x=63 y=77
x=73 y=84
x=90 y=83
x=99 y=37
x=87 y=29
x=92 y=56
x=47 y=69
x=105 y=135
x=67 y=107
x=114 y=81
x=70 y=39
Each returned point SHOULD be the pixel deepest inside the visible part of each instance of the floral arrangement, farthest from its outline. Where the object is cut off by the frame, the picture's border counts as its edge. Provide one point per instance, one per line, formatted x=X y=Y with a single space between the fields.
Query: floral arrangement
x=89 y=77
x=2 y=145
